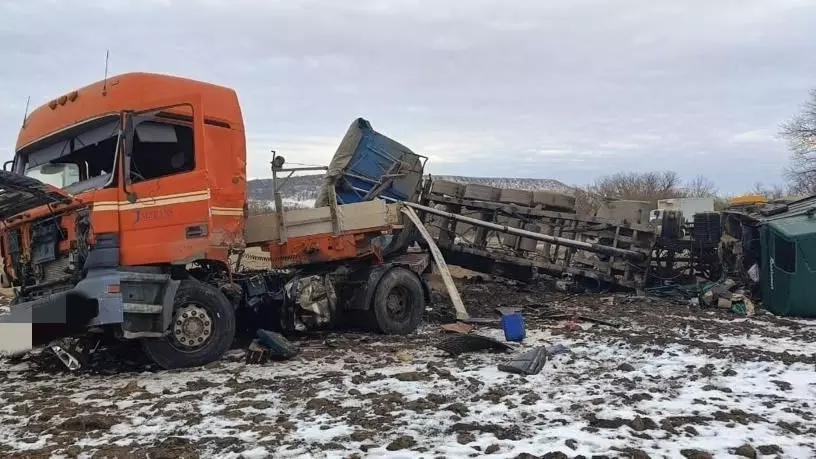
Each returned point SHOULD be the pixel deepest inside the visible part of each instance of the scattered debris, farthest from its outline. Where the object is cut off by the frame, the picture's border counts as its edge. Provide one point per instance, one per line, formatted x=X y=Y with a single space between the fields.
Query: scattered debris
x=527 y=363
x=724 y=303
x=68 y=359
x=742 y=305
x=711 y=293
x=753 y=273
x=257 y=354
x=576 y=317
x=556 y=349
x=461 y=344
x=403 y=385
x=482 y=321
x=675 y=292
x=458 y=327
x=269 y=345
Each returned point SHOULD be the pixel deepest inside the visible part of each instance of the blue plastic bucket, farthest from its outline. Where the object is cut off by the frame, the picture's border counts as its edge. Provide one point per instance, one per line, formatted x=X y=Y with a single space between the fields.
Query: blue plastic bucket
x=513 y=326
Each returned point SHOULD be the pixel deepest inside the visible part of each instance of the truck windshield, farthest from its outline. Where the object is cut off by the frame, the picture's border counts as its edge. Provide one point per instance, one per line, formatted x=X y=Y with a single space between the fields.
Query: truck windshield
x=58 y=175
x=79 y=159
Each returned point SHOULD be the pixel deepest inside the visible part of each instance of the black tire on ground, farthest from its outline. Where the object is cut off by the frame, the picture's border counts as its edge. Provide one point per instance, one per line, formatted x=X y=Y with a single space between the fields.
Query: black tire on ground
x=168 y=353
x=398 y=302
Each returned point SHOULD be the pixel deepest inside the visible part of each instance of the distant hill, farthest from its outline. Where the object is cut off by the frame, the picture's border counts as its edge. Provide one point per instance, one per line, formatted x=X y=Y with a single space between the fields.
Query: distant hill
x=297 y=188
x=529 y=184
x=301 y=190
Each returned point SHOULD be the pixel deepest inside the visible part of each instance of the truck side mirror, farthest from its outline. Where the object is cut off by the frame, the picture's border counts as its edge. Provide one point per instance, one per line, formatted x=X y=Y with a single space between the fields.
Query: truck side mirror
x=7 y=166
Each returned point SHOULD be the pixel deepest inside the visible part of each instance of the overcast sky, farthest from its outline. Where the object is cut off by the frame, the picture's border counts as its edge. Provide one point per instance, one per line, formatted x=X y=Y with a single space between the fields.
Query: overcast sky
x=528 y=88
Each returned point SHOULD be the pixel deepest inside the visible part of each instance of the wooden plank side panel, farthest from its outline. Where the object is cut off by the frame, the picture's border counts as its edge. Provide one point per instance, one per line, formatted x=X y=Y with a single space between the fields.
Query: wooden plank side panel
x=307 y=222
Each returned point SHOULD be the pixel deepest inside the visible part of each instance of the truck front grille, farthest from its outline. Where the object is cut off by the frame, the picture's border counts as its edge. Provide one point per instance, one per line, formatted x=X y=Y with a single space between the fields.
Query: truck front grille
x=53 y=270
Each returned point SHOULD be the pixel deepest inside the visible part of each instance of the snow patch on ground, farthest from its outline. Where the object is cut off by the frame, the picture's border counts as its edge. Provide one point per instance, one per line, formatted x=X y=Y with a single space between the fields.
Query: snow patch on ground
x=616 y=390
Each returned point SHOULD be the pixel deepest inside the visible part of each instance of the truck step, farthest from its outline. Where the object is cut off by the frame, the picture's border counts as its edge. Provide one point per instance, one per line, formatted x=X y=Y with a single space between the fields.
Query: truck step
x=142 y=308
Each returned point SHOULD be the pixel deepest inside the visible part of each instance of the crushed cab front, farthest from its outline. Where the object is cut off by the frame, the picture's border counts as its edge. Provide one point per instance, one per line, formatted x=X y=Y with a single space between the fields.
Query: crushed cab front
x=19 y=193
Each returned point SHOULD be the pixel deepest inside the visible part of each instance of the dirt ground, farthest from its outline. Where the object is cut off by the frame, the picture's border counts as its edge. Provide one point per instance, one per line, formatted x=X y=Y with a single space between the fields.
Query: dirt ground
x=671 y=381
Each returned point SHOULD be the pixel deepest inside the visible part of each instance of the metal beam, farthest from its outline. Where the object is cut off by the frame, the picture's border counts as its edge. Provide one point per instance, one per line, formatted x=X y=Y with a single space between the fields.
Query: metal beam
x=458 y=305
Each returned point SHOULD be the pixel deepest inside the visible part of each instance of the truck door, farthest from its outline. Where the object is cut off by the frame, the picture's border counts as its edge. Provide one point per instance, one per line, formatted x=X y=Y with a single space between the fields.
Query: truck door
x=164 y=201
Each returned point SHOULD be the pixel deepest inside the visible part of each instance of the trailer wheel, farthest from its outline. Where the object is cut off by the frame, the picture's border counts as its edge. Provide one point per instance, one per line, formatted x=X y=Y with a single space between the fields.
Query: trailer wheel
x=202 y=330
x=398 y=302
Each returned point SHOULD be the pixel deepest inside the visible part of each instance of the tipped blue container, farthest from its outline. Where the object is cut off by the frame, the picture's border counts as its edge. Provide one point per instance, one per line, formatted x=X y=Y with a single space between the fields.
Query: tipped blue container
x=513 y=326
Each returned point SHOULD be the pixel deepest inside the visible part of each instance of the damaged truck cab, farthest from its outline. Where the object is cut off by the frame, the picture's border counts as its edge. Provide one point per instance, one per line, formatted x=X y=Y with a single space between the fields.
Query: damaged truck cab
x=125 y=201
x=114 y=189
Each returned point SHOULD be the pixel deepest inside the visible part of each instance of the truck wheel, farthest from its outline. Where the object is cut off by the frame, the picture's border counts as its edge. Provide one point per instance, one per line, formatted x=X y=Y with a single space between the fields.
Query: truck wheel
x=202 y=330
x=398 y=302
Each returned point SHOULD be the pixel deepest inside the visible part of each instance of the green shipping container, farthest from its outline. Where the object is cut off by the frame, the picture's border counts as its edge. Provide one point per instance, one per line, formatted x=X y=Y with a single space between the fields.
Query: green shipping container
x=788 y=274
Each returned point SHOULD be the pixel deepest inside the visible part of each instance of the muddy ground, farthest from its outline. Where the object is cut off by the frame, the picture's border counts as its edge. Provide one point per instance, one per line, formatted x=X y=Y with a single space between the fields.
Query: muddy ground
x=672 y=380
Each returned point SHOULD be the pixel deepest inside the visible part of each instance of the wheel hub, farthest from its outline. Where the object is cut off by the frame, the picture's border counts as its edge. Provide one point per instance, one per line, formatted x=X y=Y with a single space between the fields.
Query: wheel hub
x=395 y=302
x=192 y=326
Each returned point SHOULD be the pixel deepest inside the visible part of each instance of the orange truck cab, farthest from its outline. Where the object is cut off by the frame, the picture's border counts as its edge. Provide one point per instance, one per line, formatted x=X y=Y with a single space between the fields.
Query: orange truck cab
x=119 y=213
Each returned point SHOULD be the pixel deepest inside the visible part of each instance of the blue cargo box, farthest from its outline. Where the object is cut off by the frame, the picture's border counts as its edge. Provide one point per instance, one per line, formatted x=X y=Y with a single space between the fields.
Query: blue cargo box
x=369 y=165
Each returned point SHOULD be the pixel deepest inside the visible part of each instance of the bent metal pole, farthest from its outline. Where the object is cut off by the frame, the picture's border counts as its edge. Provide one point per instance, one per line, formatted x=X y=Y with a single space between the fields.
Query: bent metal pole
x=591 y=247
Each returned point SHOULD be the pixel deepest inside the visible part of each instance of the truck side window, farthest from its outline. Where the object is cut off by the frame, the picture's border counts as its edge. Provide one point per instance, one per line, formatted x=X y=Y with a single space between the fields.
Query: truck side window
x=785 y=255
x=161 y=149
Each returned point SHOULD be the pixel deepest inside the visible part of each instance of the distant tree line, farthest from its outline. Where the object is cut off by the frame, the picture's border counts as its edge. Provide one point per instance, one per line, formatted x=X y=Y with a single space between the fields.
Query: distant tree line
x=800 y=134
x=654 y=186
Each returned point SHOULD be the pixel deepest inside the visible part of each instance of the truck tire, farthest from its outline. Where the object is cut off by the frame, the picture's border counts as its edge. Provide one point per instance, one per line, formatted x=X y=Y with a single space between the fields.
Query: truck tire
x=202 y=330
x=399 y=302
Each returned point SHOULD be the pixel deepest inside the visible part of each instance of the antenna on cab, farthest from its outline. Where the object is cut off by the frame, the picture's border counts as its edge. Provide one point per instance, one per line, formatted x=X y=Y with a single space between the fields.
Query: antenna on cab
x=105 y=81
x=25 y=114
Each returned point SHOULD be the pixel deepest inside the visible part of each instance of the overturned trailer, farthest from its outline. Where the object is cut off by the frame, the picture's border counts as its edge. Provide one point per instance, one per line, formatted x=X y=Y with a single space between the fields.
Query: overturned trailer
x=525 y=234
x=522 y=234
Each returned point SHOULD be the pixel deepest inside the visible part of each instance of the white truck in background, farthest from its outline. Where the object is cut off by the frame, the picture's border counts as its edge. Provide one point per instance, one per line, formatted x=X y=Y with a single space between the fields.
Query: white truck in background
x=688 y=206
